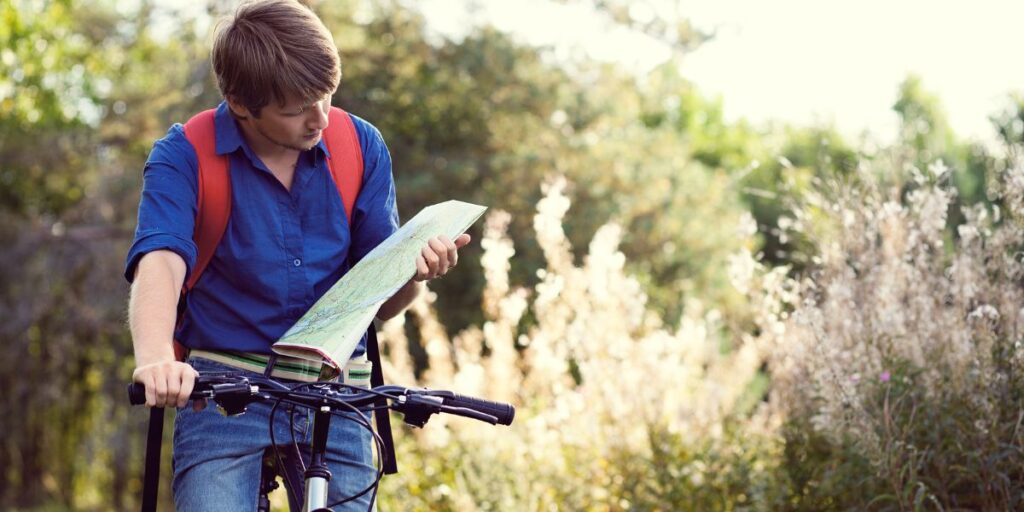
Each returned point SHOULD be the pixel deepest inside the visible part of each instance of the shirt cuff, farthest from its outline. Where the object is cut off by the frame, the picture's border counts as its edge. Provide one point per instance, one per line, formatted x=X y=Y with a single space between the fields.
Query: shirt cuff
x=185 y=248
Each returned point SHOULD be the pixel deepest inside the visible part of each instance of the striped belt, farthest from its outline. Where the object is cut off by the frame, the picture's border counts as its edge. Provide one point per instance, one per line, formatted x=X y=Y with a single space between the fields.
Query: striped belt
x=355 y=373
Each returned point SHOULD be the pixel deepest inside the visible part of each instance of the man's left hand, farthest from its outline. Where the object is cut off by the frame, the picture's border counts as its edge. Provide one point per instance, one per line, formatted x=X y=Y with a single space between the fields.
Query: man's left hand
x=439 y=256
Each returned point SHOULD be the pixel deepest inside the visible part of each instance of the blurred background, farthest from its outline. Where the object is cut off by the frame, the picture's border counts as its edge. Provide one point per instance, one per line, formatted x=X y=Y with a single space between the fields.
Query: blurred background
x=739 y=255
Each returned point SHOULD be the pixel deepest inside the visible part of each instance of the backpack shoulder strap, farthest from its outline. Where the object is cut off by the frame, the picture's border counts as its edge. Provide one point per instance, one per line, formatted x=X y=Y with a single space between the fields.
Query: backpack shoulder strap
x=346 y=161
x=214 y=191
x=213 y=202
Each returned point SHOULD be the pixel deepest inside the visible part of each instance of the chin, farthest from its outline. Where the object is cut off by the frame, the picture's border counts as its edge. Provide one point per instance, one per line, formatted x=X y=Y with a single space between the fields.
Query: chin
x=308 y=144
x=302 y=144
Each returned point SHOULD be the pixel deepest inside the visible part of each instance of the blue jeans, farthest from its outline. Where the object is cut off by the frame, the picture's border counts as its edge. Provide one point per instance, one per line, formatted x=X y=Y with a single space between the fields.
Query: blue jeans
x=218 y=459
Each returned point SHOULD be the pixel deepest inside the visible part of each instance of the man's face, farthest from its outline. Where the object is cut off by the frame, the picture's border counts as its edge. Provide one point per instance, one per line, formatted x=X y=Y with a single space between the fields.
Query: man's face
x=295 y=125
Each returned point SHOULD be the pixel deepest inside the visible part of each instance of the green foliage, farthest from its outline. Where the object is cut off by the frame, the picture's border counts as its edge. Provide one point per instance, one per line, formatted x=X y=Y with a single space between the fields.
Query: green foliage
x=774 y=185
x=82 y=91
x=47 y=70
x=463 y=120
x=1010 y=122
x=739 y=474
x=824 y=476
x=926 y=136
x=923 y=125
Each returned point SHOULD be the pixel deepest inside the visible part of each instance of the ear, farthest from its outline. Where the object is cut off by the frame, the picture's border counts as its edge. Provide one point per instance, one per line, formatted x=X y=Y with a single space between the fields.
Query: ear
x=239 y=110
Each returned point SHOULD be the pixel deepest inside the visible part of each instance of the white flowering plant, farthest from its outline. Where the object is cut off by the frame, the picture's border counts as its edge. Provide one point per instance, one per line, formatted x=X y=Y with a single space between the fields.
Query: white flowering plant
x=616 y=410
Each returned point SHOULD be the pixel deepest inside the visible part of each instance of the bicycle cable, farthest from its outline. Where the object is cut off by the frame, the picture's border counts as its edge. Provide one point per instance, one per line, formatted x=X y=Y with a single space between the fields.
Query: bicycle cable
x=358 y=418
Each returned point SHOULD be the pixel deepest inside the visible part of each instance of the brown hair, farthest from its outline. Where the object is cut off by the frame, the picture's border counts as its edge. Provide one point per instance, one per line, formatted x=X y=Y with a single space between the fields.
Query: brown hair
x=271 y=49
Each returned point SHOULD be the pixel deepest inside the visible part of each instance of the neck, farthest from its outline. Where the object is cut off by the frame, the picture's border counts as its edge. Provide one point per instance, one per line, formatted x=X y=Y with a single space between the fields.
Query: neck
x=266 y=149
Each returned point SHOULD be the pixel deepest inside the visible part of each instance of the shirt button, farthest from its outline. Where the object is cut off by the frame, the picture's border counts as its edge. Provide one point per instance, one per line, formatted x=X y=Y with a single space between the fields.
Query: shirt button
x=297 y=262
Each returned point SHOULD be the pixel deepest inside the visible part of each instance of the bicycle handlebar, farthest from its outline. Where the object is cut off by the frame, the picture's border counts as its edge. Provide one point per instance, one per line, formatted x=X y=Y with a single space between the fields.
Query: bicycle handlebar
x=235 y=392
x=504 y=413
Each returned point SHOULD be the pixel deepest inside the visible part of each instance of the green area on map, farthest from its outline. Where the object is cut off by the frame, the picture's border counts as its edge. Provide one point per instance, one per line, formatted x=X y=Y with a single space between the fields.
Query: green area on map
x=332 y=328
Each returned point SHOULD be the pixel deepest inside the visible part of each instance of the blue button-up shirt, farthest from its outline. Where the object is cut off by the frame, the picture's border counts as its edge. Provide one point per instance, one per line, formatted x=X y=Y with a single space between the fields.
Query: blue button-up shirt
x=281 y=249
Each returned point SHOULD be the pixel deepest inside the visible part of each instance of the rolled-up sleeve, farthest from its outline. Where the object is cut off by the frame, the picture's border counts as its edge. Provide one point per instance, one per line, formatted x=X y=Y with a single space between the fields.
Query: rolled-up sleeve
x=167 y=207
x=376 y=210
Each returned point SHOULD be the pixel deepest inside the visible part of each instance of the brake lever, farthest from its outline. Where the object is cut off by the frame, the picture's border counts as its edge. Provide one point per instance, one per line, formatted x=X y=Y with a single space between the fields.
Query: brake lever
x=233 y=398
x=416 y=409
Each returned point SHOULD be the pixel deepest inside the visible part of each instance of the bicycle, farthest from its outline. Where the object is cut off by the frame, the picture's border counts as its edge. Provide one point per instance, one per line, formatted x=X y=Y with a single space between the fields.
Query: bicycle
x=233 y=392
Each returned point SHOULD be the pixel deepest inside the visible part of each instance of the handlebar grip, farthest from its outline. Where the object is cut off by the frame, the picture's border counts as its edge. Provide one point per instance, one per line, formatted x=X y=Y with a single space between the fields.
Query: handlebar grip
x=136 y=393
x=504 y=412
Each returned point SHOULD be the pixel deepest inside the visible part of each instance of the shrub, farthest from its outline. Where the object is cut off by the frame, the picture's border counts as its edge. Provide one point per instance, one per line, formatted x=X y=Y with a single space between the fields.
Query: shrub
x=899 y=369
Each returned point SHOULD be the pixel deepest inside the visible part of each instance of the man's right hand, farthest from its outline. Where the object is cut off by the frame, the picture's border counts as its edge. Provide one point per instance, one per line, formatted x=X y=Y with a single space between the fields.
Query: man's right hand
x=168 y=383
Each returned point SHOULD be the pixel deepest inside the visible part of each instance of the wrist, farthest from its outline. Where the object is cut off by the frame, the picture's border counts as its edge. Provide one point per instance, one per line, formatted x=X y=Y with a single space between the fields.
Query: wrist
x=154 y=355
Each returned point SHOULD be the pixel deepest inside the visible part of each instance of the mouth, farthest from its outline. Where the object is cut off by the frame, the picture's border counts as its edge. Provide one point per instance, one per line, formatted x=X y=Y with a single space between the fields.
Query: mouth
x=312 y=136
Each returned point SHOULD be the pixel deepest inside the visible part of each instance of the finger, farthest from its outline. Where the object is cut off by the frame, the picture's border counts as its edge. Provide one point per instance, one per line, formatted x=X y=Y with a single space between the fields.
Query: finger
x=161 y=390
x=150 y=384
x=441 y=250
x=432 y=261
x=421 y=269
x=188 y=382
x=453 y=252
x=462 y=240
x=173 y=387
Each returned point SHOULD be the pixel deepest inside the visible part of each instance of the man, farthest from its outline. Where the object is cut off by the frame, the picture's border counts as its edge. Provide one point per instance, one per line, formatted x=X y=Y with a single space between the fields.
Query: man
x=287 y=242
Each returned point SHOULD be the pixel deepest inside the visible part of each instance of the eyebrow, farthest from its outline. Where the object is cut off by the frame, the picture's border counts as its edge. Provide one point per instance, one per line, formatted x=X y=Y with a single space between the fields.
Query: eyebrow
x=302 y=108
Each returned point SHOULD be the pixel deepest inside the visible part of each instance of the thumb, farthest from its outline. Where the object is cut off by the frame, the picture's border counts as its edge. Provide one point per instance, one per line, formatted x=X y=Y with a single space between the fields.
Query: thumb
x=462 y=240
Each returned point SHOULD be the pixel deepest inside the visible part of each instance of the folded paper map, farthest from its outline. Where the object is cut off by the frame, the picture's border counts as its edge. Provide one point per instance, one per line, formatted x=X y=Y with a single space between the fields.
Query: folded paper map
x=331 y=329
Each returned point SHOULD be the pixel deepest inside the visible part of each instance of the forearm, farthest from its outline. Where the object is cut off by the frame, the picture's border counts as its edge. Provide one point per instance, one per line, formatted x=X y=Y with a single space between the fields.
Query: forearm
x=399 y=301
x=152 y=307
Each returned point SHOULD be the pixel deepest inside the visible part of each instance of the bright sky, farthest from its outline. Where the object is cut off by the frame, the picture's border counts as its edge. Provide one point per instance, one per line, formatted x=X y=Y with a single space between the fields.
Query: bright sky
x=800 y=61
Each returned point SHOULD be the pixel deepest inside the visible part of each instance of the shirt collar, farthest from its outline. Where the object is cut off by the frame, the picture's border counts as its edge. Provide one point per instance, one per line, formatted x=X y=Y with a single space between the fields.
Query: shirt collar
x=229 y=137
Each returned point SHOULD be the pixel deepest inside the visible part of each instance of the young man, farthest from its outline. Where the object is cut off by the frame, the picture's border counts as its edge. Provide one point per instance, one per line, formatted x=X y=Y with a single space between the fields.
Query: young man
x=287 y=241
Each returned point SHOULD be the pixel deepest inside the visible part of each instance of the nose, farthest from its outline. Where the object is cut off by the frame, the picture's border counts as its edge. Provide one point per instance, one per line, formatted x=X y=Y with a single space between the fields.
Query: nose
x=318 y=120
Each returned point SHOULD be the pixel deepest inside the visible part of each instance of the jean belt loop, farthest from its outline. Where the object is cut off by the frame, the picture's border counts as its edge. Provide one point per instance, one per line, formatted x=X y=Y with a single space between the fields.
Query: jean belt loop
x=270 y=365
